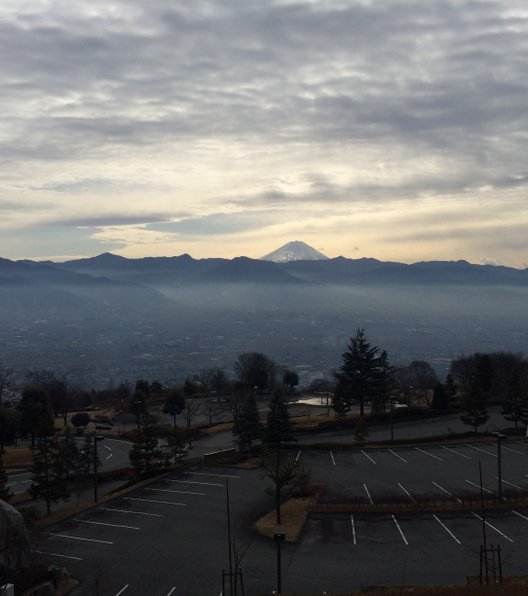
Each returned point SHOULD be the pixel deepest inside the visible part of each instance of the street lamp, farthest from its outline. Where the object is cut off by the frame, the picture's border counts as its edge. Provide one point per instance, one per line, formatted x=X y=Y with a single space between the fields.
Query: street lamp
x=279 y=536
x=500 y=438
x=391 y=400
x=96 y=438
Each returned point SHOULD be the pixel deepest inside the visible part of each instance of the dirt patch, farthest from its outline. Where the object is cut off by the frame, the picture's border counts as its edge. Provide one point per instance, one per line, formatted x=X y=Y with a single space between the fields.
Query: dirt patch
x=217 y=428
x=17 y=457
x=293 y=513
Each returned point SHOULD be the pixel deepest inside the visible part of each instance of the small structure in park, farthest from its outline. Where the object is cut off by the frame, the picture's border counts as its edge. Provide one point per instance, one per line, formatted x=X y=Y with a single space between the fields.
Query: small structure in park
x=14 y=542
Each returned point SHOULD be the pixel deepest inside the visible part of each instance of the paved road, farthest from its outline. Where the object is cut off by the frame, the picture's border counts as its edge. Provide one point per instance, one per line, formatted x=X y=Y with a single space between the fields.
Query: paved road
x=428 y=427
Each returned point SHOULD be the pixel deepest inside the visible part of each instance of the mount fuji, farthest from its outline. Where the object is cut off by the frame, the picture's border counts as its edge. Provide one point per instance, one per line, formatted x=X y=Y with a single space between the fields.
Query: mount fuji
x=294 y=251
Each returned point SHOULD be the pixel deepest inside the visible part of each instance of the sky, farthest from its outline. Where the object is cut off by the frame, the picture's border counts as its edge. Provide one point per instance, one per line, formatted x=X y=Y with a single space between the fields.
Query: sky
x=393 y=129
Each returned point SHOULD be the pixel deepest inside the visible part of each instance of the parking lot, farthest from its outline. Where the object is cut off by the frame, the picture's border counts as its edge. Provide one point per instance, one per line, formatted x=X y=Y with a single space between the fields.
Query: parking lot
x=417 y=473
x=170 y=538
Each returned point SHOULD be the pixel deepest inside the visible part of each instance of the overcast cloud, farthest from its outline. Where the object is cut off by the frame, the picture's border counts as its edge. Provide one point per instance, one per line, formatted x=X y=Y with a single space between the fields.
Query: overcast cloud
x=394 y=129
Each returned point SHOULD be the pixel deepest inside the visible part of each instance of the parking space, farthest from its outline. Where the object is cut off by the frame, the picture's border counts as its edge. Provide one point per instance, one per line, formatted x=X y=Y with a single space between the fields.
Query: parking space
x=418 y=473
x=170 y=538
x=166 y=538
x=362 y=549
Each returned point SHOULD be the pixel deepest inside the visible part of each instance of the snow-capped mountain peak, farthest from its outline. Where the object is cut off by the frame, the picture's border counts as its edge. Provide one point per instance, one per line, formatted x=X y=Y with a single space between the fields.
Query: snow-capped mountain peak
x=294 y=251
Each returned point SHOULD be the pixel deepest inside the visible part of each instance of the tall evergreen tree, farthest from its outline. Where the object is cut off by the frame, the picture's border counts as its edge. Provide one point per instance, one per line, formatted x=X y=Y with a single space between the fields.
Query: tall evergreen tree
x=451 y=391
x=474 y=404
x=69 y=452
x=364 y=372
x=36 y=417
x=145 y=455
x=248 y=427
x=440 y=398
x=515 y=404
x=279 y=428
x=86 y=460
x=48 y=480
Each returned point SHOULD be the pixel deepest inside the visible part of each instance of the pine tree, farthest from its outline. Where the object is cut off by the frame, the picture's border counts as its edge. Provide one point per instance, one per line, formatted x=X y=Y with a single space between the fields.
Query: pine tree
x=440 y=399
x=48 y=479
x=476 y=414
x=145 y=456
x=36 y=414
x=279 y=429
x=69 y=452
x=515 y=405
x=85 y=462
x=364 y=373
x=248 y=427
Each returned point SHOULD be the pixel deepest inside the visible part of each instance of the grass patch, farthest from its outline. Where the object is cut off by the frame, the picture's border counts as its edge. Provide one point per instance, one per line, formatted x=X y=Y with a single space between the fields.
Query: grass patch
x=293 y=512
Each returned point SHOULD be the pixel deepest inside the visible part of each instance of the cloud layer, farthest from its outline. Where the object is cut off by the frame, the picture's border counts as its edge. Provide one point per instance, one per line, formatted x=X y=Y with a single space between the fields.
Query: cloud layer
x=395 y=128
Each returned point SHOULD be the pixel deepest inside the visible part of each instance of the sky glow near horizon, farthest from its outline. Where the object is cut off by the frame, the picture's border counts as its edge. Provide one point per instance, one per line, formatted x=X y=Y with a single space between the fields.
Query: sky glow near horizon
x=394 y=129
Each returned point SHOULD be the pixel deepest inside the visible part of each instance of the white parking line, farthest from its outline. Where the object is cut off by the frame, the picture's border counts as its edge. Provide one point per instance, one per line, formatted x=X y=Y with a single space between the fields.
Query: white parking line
x=400 y=531
x=122 y=590
x=181 y=492
x=108 y=456
x=79 y=538
x=96 y=523
x=493 y=527
x=353 y=529
x=41 y=552
x=368 y=494
x=398 y=456
x=486 y=490
x=298 y=455
x=521 y=443
x=520 y=514
x=407 y=493
x=429 y=454
x=447 y=530
x=106 y=447
x=154 y=501
x=456 y=452
x=194 y=482
x=172 y=591
x=368 y=456
x=332 y=456
x=447 y=492
x=511 y=484
x=481 y=450
x=211 y=474
x=513 y=450
x=133 y=512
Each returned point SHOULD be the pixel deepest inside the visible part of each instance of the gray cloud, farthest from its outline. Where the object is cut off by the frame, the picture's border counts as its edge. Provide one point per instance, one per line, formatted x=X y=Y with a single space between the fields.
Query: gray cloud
x=109 y=219
x=314 y=84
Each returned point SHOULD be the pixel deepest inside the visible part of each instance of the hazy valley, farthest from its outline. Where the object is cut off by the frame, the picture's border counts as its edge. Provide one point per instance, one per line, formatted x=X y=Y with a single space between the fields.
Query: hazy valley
x=106 y=319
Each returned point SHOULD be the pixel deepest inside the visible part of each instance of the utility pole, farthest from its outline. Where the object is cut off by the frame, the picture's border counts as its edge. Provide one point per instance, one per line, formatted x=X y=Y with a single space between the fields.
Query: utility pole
x=279 y=536
x=95 y=440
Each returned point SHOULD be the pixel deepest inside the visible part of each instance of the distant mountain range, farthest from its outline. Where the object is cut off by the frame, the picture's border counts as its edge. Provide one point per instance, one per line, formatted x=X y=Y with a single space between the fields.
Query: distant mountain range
x=294 y=263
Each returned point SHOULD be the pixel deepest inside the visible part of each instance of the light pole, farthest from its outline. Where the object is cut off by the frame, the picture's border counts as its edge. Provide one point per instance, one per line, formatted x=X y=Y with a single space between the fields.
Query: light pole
x=500 y=438
x=95 y=441
x=391 y=400
x=279 y=536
